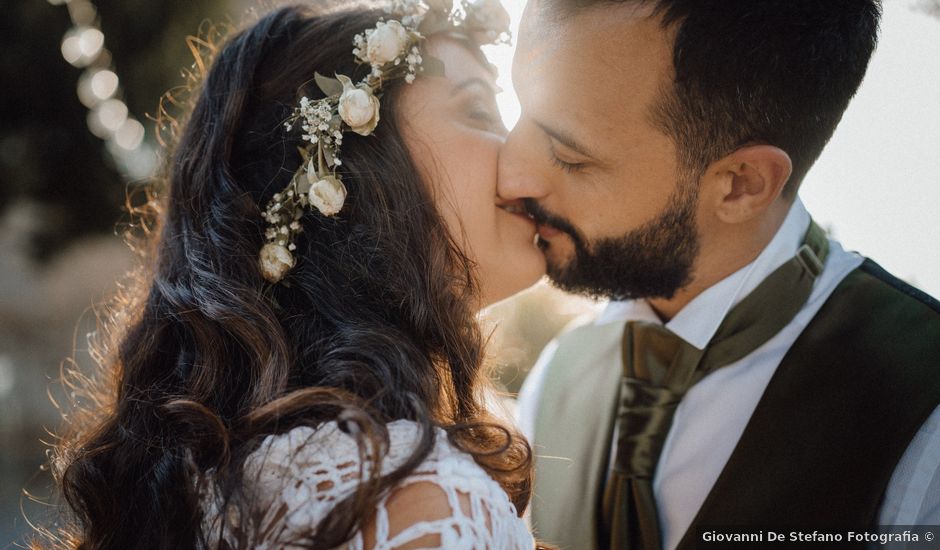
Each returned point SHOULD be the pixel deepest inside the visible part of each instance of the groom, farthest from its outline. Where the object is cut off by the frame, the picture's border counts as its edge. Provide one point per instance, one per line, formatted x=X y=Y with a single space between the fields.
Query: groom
x=748 y=371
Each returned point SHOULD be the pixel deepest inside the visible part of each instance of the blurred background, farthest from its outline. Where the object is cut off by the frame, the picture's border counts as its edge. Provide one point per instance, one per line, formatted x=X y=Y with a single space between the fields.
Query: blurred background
x=79 y=85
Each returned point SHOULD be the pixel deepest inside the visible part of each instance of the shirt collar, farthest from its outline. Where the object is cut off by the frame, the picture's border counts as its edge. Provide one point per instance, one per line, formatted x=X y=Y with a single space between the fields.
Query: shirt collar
x=698 y=321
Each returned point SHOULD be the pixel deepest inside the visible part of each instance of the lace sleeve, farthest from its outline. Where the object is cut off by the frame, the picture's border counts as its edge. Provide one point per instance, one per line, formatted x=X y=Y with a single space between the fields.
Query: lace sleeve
x=449 y=502
x=455 y=505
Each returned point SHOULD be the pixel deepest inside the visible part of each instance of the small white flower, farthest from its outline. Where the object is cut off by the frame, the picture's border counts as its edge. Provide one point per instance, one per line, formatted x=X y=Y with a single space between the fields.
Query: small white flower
x=409 y=78
x=358 y=107
x=386 y=42
x=275 y=261
x=359 y=41
x=328 y=195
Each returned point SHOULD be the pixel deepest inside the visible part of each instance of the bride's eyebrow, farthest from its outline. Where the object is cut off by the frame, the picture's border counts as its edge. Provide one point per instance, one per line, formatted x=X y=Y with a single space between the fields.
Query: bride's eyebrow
x=473 y=81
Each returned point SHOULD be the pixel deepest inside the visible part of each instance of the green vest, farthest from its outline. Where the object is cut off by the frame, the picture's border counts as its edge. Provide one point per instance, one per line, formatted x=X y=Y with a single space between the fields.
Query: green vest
x=819 y=449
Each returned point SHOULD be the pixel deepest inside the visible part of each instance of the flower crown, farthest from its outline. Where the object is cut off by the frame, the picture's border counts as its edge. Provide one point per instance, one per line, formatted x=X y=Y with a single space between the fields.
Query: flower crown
x=391 y=50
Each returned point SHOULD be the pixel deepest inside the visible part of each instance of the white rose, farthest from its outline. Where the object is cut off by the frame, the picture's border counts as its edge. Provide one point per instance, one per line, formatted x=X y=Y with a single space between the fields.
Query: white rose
x=490 y=15
x=386 y=42
x=358 y=107
x=275 y=261
x=443 y=6
x=328 y=195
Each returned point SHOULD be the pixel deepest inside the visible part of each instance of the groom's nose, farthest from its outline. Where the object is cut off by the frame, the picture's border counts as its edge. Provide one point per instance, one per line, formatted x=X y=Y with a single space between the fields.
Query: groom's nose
x=520 y=174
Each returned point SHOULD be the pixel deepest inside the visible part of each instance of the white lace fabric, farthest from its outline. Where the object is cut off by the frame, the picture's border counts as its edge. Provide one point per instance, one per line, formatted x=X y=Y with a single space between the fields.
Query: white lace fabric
x=299 y=476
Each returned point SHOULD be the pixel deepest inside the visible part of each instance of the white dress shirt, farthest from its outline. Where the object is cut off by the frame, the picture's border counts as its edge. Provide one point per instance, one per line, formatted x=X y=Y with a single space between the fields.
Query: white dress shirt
x=713 y=414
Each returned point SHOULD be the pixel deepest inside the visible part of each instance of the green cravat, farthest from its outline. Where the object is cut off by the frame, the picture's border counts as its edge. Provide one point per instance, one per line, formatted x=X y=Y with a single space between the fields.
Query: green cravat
x=659 y=368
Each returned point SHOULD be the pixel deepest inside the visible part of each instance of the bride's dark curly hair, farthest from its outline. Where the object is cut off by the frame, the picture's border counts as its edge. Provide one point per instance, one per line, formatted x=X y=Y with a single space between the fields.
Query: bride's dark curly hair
x=201 y=358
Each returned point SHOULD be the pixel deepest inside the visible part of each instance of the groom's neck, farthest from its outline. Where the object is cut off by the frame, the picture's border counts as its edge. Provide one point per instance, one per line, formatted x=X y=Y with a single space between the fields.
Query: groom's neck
x=724 y=251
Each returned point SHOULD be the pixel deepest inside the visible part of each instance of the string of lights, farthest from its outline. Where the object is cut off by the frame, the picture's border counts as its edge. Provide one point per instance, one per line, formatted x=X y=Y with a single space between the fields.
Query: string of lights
x=99 y=89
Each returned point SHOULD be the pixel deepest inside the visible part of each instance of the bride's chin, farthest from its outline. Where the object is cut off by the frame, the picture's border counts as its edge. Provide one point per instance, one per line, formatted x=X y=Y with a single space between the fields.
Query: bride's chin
x=520 y=273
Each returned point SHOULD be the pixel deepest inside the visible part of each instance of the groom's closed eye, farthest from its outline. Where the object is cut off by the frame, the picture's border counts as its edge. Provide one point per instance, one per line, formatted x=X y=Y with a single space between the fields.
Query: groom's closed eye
x=560 y=162
x=565 y=152
x=566 y=140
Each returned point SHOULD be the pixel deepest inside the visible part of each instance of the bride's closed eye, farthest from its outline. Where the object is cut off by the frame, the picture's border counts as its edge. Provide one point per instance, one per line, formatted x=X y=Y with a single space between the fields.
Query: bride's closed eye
x=478 y=105
x=485 y=114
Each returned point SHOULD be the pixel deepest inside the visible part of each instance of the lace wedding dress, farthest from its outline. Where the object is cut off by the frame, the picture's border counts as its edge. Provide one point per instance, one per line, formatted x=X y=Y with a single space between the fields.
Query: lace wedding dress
x=300 y=475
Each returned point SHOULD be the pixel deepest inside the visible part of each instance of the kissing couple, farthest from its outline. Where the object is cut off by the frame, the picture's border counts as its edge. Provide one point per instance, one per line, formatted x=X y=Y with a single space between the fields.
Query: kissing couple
x=298 y=362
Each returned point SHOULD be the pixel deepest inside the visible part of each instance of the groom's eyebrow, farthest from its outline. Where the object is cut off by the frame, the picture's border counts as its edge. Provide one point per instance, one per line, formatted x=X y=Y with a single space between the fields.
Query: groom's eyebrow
x=565 y=139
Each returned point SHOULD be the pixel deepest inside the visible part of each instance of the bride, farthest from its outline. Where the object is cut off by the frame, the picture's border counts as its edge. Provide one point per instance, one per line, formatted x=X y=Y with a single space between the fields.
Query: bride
x=300 y=364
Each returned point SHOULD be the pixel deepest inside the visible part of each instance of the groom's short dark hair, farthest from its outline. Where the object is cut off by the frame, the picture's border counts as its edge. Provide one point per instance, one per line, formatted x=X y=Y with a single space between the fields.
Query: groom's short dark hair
x=780 y=72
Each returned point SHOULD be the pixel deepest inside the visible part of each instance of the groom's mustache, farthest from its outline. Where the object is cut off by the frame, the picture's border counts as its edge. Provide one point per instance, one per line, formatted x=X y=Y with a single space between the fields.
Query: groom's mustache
x=541 y=216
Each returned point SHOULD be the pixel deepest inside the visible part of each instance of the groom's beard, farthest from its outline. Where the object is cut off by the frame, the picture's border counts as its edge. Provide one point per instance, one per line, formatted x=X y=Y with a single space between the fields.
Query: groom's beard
x=652 y=261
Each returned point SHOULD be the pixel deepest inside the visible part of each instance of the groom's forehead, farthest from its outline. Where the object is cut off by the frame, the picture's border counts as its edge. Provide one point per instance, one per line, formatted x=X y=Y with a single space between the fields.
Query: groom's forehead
x=620 y=45
x=561 y=9
x=595 y=74
x=620 y=29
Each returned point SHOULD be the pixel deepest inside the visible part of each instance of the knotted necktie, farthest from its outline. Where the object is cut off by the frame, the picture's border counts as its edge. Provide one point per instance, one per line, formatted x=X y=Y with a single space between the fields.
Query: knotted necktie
x=659 y=368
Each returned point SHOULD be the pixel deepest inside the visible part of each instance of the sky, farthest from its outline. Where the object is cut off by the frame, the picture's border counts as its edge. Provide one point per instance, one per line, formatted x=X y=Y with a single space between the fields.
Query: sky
x=876 y=186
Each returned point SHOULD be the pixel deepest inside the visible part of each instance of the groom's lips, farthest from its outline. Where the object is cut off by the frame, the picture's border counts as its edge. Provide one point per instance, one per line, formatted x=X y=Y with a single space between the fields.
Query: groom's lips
x=517 y=211
x=548 y=232
x=543 y=227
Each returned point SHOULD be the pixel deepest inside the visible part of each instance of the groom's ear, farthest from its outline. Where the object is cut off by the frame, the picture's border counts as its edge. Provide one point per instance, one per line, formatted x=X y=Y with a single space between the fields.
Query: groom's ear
x=745 y=183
